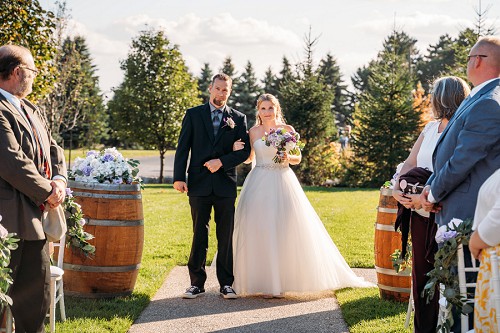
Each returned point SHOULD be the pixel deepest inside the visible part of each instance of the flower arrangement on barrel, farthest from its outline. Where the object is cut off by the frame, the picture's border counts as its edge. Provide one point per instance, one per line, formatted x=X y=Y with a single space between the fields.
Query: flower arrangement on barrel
x=449 y=237
x=8 y=243
x=107 y=166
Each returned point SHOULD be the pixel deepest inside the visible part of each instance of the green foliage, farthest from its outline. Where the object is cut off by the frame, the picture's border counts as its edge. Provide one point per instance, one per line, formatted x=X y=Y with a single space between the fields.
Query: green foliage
x=24 y=22
x=228 y=68
x=306 y=103
x=245 y=93
x=285 y=75
x=445 y=271
x=204 y=82
x=8 y=243
x=439 y=58
x=386 y=125
x=77 y=237
x=149 y=105
x=330 y=71
x=269 y=82
x=75 y=108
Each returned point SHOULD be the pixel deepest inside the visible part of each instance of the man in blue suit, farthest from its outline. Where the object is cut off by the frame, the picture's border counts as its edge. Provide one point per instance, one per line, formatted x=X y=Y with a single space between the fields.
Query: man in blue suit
x=468 y=151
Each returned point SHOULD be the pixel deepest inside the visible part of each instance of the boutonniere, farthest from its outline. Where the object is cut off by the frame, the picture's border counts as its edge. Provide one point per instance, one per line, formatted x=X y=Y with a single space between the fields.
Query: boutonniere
x=229 y=122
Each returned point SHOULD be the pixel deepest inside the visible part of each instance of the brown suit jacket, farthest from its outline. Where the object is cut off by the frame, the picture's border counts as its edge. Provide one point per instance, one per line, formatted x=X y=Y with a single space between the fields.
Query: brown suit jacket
x=22 y=188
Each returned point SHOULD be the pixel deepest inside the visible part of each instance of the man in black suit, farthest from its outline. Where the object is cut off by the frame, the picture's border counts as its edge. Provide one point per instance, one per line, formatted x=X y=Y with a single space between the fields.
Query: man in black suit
x=208 y=133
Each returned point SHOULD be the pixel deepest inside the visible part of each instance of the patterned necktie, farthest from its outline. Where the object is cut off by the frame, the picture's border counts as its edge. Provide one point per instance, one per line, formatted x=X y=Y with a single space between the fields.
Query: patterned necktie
x=42 y=164
x=216 y=120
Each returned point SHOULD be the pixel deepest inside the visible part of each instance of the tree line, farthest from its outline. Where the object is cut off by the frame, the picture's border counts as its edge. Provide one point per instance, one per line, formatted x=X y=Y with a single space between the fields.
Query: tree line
x=386 y=109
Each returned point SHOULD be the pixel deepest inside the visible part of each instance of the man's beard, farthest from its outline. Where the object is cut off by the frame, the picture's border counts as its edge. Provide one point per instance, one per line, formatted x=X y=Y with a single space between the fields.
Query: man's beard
x=218 y=102
x=24 y=88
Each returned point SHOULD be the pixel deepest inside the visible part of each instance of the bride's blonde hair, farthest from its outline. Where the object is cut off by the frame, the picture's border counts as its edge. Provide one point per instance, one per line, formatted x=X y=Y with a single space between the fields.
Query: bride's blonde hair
x=277 y=107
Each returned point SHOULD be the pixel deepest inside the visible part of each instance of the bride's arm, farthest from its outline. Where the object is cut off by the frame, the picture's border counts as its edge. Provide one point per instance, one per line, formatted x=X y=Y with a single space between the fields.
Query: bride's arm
x=238 y=145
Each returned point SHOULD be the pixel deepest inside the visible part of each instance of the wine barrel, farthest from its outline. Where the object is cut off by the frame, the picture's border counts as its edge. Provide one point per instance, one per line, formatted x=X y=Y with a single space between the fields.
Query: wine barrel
x=392 y=285
x=115 y=217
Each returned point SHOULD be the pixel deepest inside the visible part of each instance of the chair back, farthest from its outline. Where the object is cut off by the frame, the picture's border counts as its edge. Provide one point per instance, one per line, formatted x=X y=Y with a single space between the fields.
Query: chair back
x=60 y=252
x=463 y=284
x=495 y=284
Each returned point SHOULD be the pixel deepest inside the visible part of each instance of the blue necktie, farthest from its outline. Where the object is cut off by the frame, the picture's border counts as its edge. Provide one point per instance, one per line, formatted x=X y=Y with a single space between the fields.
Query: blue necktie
x=216 y=120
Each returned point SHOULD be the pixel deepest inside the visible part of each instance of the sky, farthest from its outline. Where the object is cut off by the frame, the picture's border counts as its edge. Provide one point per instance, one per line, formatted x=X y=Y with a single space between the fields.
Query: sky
x=263 y=31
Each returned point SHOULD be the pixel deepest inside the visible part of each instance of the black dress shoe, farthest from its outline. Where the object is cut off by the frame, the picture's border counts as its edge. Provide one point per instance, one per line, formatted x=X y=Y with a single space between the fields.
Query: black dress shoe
x=193 y=292
x=228 y=292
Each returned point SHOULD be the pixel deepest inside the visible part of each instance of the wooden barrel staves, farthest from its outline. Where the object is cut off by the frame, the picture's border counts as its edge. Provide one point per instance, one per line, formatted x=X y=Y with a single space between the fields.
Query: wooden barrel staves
x=115 y=218
x=393 y=286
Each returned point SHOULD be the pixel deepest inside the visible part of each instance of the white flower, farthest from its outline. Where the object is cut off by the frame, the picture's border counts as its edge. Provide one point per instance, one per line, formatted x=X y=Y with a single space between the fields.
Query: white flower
x=3 y=231
x=447 y=231
x=230 y=123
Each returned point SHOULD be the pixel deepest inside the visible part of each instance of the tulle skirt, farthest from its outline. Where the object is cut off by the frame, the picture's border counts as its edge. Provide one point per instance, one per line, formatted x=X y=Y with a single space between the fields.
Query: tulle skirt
x=280 y=244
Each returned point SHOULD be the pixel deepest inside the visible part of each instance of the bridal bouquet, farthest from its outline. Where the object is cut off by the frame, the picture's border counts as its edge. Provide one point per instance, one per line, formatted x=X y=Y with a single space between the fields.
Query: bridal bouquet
x=8 y=242
x=283 y=141
x=106 y=166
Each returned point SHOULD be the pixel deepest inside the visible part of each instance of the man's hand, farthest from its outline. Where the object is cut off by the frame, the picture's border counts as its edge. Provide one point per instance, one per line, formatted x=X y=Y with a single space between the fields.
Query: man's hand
x=58 y=193
x=426 y=204
x=402 y=199
x=213 y=165
x=181 y=186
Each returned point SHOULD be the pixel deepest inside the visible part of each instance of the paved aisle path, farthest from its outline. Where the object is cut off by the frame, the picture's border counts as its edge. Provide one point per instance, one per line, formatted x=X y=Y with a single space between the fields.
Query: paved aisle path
x=167 y=312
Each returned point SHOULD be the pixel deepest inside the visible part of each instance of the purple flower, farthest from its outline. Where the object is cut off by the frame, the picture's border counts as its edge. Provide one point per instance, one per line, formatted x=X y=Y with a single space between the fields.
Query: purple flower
x=117 y=181
x=449 y=235
x=87 y=170
x=82 y=222
x=69 y=192
x=108 y=158
x=92 y=153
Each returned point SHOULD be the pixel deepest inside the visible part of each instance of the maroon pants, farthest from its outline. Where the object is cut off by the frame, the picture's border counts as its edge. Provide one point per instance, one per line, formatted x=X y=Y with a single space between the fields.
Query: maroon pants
x=423 y=249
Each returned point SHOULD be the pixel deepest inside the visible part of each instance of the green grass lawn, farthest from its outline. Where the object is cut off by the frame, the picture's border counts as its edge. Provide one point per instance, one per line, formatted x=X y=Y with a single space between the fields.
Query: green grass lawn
x=348 y=214
x=126 y=153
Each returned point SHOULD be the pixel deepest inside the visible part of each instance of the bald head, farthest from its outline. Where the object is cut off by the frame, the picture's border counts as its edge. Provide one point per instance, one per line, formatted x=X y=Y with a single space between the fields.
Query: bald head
x=483 y=63
x=12 y=56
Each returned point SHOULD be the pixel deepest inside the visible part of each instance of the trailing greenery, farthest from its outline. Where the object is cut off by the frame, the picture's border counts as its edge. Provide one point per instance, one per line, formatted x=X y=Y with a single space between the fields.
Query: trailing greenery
x=8 y=243
x=77 y=237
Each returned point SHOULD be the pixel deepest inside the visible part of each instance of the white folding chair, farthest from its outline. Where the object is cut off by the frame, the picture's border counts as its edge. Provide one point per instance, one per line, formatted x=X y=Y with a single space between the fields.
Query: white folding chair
x=56 y=285
x=495 y=284
x=410 y=309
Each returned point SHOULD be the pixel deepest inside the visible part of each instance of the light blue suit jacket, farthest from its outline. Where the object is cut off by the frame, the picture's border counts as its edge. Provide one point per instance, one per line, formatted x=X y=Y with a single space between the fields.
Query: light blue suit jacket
x=466 y=154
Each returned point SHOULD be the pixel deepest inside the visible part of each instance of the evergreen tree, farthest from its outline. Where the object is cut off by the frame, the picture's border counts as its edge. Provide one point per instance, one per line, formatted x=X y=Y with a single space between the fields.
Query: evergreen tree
x=285 y=75
x=246 y=93
x=270 y=82
x=204 y=82
x=24 y=22
x=306 y=103
x=142 y=111
x=438 y=59
x=228 y=68
x=75 y=109
x=330 y=71
x=386 y=125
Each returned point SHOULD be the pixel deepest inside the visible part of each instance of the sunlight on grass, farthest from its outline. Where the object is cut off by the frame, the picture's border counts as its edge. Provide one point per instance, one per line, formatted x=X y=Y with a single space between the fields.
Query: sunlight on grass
x=348 y=215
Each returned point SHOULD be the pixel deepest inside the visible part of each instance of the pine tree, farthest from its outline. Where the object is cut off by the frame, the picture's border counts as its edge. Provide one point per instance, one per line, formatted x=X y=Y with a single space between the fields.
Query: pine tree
x=75 y=109
x=204 y=82
x=269 y=82
x=330 y=71
x=435 y=63
x=228 y=68
x=285 y=75
x=149 y=105
x=246 y=93
x=306 y=102
x=386 y=126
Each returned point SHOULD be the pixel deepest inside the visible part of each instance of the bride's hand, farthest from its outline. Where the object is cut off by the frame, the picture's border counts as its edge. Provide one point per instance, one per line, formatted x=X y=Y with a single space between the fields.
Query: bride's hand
x=238 y=145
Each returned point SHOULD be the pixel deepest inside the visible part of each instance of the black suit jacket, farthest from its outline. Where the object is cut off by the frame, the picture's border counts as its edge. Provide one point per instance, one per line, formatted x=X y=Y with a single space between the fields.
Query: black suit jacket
x=197 y=138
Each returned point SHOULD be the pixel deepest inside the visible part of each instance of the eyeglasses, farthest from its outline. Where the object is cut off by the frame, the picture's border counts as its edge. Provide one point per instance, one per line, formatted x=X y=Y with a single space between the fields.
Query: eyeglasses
x=476 y=55
x=36 y=71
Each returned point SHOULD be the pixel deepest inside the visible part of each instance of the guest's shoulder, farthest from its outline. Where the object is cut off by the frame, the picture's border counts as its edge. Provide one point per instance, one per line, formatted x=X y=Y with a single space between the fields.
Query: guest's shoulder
x=430 y=126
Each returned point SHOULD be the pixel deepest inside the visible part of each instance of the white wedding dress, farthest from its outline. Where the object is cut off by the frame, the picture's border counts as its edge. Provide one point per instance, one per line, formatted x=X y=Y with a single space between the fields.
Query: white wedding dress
x=279 y=243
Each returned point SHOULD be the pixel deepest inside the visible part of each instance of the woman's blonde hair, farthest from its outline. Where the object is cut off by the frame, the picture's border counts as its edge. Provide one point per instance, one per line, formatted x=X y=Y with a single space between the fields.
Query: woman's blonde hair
x=447 y=94
x=277 y=107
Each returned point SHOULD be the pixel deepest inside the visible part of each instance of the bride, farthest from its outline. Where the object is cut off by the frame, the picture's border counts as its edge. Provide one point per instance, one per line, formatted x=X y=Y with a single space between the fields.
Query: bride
x=279 y=242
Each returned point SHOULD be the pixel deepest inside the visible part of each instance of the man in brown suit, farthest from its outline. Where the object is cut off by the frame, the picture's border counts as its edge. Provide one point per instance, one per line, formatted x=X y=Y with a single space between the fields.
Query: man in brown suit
x=32 y=177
